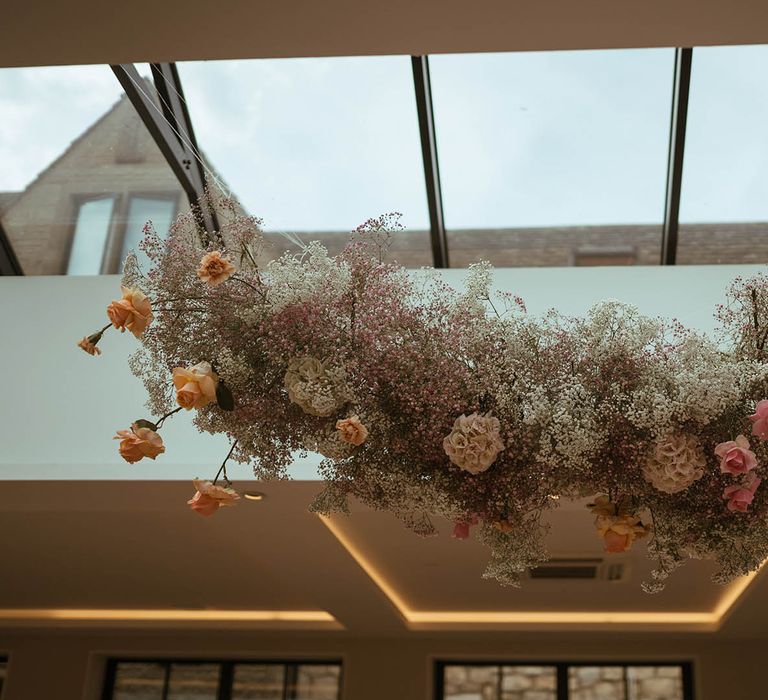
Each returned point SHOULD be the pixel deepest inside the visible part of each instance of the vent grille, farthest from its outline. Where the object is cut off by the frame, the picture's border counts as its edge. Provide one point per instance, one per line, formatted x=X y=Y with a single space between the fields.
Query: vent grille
x=586 y=569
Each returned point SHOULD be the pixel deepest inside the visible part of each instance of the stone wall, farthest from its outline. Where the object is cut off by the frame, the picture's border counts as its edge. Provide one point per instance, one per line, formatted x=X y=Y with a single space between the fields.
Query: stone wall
x=585 y=683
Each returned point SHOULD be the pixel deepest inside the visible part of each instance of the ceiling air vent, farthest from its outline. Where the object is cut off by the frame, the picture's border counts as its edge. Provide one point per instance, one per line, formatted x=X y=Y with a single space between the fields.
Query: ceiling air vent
x=584 y=569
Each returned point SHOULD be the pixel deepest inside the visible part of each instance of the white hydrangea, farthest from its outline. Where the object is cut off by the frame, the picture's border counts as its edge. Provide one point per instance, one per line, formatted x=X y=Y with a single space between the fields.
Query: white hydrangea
x=675 y=463
x=320 y=389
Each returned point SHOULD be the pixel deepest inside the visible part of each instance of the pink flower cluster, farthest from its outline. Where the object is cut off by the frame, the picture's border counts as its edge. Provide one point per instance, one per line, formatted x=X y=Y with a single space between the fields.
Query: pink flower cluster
x=738 y=460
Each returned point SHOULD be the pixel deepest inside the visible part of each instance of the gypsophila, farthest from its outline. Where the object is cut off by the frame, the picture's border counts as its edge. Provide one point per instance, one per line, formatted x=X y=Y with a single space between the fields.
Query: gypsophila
x=430 y=403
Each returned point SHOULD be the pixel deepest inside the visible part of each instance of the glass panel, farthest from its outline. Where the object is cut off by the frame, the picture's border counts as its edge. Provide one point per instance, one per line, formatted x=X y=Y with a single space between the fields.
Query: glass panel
x=141 y=210
x=90 y=237
x=471 y=682
x=316 y=682
x=655 y=682
x=194 y=682
x=139 y=681
x=315 y=145
x=552 y=158
x=596 y=682
x=724 y=198
x=70 y=135
x=258 y=682
x=529 y=683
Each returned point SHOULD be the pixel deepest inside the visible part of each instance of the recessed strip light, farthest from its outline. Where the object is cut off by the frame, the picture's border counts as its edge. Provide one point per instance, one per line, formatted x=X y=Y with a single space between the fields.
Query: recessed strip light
x=704 y=620
x=163 y=615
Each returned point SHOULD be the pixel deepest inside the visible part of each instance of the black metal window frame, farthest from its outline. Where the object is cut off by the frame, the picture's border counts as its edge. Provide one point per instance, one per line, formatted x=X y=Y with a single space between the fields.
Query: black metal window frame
x=170 y=124
x=561 y=669
x=226 y=671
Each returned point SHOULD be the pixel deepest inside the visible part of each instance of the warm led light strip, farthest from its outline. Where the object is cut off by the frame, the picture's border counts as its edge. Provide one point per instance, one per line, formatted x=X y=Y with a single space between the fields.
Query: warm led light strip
x=711 y=619
x=174 y=615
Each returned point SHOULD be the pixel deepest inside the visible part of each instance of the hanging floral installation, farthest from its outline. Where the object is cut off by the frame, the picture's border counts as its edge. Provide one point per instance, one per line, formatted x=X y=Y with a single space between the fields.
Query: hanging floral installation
x=425 y=401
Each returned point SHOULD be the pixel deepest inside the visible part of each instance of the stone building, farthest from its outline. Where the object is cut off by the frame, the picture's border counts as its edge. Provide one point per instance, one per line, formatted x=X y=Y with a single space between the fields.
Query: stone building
x=88 y=207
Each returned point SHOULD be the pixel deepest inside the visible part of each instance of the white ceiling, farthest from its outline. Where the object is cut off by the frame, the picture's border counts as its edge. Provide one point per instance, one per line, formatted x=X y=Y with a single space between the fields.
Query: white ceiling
x=128 y=545
x=40 y=32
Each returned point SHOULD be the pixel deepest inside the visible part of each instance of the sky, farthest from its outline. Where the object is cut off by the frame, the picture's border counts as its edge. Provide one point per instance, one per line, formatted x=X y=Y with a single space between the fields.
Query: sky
x=524 y=139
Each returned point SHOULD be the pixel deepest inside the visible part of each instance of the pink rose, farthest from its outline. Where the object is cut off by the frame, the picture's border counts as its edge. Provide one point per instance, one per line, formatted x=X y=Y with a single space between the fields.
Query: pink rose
x=461 y=528
x=352 y=431
x=137 y=443
x=760 y=420
x=735 y=456
x=739 y=497
x=210 y=497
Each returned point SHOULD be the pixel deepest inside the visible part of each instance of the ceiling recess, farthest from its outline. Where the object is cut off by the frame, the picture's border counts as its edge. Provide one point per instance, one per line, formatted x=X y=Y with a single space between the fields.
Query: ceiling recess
x=584 y=569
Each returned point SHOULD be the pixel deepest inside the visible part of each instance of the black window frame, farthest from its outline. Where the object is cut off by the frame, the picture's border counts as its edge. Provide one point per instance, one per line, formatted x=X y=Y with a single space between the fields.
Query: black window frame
x=561 y=668
x=226 y=671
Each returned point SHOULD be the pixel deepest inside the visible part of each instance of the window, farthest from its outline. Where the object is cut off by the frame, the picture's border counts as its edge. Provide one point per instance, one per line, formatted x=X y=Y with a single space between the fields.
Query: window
x=75 y=155
x=541 y=153
x=316 y=146
x=724 y=197
x=106 y=229
x=160 y=211
x=92 y=225
x=561 y=681
x=222 y=680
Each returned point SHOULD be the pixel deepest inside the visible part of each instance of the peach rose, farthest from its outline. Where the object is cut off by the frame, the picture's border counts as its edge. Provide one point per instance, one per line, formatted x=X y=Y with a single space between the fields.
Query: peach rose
x=210 y=497
x=735 y=456
x=352 y=431
x=760 y=420
x=215 y=268
x=196 y=386
x=137 y=443
x=88 y=346
x=739 y=497
x=619 y=532
x=133 y=311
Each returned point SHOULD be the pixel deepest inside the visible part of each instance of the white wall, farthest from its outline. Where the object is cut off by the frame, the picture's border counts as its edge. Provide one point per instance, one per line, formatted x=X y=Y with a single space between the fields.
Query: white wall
x=59 y=407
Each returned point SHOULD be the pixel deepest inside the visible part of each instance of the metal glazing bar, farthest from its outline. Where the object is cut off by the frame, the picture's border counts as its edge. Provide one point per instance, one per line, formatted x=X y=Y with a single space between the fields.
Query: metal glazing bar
x=9 y=263
x=680 y=91
x=171 y=94
x=423 y=90
x=168 y=85
x=181 y=158
x=138 y=92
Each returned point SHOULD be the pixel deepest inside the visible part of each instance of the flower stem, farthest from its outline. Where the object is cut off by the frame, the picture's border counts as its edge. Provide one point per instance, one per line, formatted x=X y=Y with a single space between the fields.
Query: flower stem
x=170 y=413
x=223 y=467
